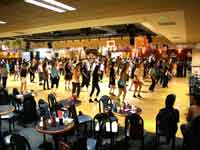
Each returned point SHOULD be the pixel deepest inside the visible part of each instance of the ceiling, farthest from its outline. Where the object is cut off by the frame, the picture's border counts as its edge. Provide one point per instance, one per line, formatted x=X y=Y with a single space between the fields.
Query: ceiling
x=177 y=20
x=124 y=30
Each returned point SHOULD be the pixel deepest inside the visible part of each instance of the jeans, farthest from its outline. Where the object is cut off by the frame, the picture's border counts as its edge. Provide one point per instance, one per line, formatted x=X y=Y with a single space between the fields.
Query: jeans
x=46 y=82
x=153 y=84
x=76 y=88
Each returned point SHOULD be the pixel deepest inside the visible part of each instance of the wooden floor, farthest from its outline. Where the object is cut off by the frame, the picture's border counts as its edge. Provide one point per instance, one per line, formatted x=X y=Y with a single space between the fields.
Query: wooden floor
x=150 y=104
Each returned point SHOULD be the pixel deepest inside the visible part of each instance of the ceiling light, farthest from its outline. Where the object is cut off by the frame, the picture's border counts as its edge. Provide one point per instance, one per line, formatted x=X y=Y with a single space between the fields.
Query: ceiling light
x=3 y=22
x=40 y=4
x=59 y=4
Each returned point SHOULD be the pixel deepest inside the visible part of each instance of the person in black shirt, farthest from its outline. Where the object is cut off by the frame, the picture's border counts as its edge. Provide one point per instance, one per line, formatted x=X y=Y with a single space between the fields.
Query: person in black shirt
x=95 y=82
x=85 y=76
x=112 y=78
x=168 y=118
x=68 y=75
x=32 y=72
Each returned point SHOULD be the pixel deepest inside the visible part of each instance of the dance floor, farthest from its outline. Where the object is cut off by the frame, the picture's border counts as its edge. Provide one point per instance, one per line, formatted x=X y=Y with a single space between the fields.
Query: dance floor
x=150 y=103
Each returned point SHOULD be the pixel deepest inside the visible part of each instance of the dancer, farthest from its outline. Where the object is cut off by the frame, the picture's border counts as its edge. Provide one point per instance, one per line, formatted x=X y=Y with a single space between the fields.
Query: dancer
x=138 y=80
x=76 y=80
x=68 y=75
x=112 y=78
x=95 y=83
x=122 y=83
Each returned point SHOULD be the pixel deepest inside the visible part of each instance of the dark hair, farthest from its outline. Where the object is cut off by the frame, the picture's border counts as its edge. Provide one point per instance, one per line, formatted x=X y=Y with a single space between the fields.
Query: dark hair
x=169 y=101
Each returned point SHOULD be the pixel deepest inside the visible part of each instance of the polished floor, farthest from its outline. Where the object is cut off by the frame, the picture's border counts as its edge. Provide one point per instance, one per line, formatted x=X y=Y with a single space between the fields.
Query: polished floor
x=150 y=103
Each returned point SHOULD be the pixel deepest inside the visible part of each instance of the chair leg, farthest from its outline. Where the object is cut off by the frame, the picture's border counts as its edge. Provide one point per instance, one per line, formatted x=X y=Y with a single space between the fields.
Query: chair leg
x=13 y=122
x=173 y=142
x=157 y=140
x=10 y=122
x=143 y=143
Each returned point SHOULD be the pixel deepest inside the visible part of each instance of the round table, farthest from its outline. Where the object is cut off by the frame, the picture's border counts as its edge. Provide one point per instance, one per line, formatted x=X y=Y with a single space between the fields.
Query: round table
x=58 y=129
x=4 y=110
x=67 y=103
x=125 y=113
x=55 y=131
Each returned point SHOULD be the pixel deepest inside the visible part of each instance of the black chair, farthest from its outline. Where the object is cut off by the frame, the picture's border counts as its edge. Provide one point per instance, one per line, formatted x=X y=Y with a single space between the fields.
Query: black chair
x=80 y=119
x=52 y=103
x=192 y=135
x=19 y=142
x=103 y=130
x=29 y=112
x=44 y=112
x=10 y=116
x=105 y=102
x=15 y=101
x=4 y=98
x=134 y=128
x=16 y=142
x=165 y=129
x=44 y=109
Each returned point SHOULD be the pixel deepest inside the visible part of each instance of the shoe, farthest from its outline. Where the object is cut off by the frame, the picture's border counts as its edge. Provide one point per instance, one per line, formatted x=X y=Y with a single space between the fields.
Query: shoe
x=139 y=96
x=90 y=100
x=96 y=100
x=44 y=88
x=134 y=96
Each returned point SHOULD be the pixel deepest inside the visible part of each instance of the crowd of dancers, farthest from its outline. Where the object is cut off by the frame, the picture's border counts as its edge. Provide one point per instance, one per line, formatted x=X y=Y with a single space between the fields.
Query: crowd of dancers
x=123 y=74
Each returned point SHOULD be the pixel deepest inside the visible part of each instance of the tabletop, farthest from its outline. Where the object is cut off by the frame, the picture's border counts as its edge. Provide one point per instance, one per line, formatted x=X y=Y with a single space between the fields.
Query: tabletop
x=126 y=112
x=68 y=102
x=5 y=109
x=58 y=129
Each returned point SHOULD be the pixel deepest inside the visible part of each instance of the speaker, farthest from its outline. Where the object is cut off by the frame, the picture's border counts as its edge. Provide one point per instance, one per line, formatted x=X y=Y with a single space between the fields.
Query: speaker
x=31 y=56
x=37 y=57
x=56 y=55
x=132 y=40
x=49 y=44
x=28 y=45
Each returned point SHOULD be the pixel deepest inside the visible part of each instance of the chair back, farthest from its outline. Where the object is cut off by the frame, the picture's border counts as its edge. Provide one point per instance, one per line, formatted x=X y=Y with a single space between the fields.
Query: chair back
x=166 y=123
x=52 y=102
x=73 y=114
x=4 y=99
x=134 y=126
x=29 y=109
x=15 y=91
x=19 y=142
x=43 y=108
x=104 y=127
x=106 y=102
x=193 y=135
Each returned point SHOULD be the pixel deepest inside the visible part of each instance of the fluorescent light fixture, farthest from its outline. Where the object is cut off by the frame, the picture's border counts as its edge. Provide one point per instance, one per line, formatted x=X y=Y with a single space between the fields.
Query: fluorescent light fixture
x=3 y=22
x=59 y=4
x=40 y=4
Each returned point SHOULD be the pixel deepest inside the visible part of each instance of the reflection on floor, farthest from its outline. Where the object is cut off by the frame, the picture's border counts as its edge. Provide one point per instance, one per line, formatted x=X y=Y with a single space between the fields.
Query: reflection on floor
x=150 y=103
